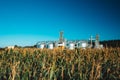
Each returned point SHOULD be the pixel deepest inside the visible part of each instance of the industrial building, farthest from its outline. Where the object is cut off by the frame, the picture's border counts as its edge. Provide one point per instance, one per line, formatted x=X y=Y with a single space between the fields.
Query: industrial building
x=70 y=44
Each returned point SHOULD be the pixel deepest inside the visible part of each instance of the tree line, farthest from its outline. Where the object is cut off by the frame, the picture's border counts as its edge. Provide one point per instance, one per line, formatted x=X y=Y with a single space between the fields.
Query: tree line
x=111 y=43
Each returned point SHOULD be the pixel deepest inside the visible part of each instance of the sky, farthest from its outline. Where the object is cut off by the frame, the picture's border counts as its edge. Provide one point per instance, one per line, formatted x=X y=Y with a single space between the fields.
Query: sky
x=25 y=22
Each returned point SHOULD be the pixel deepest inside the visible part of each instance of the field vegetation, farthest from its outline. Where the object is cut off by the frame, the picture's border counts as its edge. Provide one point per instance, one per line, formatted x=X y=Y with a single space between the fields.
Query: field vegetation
x=78 y=64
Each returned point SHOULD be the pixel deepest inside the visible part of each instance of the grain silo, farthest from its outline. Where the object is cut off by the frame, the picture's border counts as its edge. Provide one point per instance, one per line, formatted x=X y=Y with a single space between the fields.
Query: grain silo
x=40 y=45
x=50 y=45
x=71 y=46
x=82 y=44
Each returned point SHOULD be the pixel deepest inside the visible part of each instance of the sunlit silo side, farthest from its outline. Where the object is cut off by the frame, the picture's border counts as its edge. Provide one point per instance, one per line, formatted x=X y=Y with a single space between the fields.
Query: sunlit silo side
x=101 y=46
x=82 y=44
x=50 y=46
x=71 y=46
x=40 y=45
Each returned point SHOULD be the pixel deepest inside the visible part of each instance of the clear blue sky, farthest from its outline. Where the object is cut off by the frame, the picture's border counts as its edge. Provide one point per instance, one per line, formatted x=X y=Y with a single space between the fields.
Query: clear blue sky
x=24 y=22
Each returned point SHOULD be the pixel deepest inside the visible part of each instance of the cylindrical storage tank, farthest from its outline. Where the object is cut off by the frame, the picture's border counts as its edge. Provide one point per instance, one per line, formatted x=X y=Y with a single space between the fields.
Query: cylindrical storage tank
x=71 y=46
x=101 y=46
x=38 y=45
x=50 y=46
x=83 y=45
x=41 y=46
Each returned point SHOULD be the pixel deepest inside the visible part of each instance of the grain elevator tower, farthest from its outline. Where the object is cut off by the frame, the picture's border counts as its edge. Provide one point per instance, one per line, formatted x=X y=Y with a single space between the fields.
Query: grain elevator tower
x=61 y=39
x=97 y=42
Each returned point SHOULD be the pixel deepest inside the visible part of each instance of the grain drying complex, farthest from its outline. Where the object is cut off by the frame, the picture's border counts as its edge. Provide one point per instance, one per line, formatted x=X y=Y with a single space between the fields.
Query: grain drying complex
x=70 y=44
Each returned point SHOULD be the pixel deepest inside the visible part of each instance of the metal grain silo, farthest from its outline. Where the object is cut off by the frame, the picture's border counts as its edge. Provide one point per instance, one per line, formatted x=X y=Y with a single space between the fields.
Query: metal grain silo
x=50 y=46
x=71 y=46
x=82 y=44
x=40 y=45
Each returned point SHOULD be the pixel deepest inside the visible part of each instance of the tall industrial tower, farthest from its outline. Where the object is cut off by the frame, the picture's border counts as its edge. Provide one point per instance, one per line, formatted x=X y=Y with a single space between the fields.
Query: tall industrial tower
x=61 y=39
x=97 y=41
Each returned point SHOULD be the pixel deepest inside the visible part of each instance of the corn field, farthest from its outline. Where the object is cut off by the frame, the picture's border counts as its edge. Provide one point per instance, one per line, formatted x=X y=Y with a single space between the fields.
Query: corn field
x=78 y=64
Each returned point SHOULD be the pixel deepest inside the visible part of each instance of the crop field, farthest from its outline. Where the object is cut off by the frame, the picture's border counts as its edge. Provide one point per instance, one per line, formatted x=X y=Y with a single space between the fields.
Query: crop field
x=78 y=64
